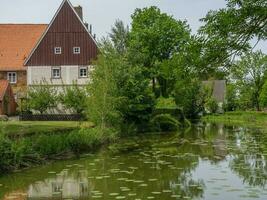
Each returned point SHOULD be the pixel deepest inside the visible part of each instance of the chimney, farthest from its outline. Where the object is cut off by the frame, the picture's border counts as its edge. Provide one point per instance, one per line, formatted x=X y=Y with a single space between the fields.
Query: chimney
x=90 y=28
x=86 y=25
x=79 y=11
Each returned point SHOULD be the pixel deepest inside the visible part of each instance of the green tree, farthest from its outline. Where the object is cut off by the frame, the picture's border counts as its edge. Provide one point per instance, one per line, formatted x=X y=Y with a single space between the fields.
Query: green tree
x=119 y=36
x=229 y=31
x=74 y=98
x=104 y=100
x=263 y=95
x=250 y=74
x=42 y=97
x=155 y=37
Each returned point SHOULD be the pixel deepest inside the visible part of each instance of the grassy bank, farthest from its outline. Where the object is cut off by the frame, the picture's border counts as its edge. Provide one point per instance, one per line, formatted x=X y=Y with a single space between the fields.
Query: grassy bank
x=252 y=118
x=42 y=142
x=32 y=127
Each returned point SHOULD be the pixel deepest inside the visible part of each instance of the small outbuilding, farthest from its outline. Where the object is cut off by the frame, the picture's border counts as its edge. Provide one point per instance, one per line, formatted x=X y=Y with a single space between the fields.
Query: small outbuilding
x=8 y=104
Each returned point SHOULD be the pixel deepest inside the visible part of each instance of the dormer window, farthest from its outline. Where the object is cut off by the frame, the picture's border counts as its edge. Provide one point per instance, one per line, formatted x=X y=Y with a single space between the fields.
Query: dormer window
x=76 y=50
x=57 y=50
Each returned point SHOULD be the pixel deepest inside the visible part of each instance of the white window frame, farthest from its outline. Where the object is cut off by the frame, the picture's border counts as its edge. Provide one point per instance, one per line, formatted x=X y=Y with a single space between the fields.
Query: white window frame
x=12 y=79
x=76 y=50
x=83 y=75
x=57 y=50
x=53 y=75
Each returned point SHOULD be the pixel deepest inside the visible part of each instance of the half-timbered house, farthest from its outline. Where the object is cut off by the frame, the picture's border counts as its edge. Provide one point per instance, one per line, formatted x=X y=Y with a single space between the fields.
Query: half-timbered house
x=64 y=52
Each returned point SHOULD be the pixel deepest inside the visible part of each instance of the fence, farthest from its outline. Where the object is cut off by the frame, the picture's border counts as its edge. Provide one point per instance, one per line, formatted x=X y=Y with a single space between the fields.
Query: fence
x=51 y=117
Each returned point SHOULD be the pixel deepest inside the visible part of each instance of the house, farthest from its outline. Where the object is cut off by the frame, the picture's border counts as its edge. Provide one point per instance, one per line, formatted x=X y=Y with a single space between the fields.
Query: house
x=60 y=52
x=218 y=88
x=7 y=101
x=16 y=43
x=65 y=52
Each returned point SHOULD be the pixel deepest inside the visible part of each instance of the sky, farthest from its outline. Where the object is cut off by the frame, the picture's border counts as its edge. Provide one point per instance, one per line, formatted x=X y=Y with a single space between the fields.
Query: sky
x=103 y=13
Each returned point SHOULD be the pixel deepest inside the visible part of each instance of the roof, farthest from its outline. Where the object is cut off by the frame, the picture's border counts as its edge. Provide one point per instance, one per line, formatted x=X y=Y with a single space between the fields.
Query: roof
x=219 y=89
x=16 y=43
x=50 y=24
x=3 y=88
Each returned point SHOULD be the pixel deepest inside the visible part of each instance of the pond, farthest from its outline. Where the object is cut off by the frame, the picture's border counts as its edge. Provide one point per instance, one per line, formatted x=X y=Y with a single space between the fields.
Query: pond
x=207 y=161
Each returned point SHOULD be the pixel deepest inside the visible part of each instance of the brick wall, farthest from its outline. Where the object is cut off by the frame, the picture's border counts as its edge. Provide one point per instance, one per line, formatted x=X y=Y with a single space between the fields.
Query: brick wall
x=21 y=86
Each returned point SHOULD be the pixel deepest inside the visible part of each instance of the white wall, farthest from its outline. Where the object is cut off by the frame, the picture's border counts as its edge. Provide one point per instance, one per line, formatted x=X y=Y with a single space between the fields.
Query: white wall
x=35 y=74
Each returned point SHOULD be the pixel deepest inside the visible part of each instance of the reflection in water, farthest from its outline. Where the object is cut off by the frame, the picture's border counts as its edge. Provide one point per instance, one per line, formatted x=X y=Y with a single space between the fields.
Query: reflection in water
x=64 y=186
x=208 y=161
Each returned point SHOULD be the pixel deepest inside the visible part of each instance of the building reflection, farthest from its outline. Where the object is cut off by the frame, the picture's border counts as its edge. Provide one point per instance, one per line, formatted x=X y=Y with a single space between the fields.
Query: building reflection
x=65 y=185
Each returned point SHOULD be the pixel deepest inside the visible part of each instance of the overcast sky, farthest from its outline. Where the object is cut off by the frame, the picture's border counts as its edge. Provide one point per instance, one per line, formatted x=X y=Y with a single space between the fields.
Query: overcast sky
x=103 y=13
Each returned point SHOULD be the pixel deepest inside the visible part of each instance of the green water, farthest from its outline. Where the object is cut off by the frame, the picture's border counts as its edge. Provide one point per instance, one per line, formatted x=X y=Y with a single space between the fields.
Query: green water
x=204 y=162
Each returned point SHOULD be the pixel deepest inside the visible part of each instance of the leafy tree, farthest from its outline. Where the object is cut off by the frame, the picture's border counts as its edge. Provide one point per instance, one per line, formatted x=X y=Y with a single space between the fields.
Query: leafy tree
x=119 y=36
x=155 y=37
x=231 y=97
x=42 y=97
x=74 y=98
x=250 y=73
x=263 y=95
x=103 y=101
x=228 y=31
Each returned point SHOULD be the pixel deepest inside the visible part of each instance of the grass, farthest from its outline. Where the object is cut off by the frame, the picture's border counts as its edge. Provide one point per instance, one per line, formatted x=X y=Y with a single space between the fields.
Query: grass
x=249 y=118
x=32 y=127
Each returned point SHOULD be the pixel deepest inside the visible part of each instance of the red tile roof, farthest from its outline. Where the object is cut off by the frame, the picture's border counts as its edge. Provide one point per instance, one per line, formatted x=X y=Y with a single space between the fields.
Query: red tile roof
x=3 y=88
x=16 y=43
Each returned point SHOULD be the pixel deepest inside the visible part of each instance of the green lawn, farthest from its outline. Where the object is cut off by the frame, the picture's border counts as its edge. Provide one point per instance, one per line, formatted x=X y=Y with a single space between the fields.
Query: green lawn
x=32 y=127
x=251 y=118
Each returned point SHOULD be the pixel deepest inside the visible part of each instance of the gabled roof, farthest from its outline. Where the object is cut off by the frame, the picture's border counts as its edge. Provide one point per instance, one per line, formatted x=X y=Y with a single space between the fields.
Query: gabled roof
x=51 y=23
x=16 y=43
x=3 y=88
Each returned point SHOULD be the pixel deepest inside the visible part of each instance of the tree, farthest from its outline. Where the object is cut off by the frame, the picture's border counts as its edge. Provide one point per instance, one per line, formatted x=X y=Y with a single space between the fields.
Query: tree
x=119 y=36
x=227 y=32
x=104 y=100
x=250 y=73
x=74 y=98
x=42 y=97
x=263 y=95
x=155 y=37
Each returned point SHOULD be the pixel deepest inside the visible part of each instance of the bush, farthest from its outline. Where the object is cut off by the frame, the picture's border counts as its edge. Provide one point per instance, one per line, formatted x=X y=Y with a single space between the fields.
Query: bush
x=211 y=105
x=51 y=144
x=165 y=122
x=84 y=139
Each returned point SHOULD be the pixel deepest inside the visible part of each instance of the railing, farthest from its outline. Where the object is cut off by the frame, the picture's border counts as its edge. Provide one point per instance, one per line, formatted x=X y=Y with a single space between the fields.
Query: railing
x=50 y=117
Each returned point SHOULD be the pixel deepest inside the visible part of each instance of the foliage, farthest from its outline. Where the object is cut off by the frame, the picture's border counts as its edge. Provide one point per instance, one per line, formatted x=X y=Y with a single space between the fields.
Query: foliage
x=104 y=100
x=74 y=98
x=119 y=36
x=228 y=31
x=250 y=75
x=263 y=95
x=42 y=97
x=190 y=97
x=88 y=139
x=231 y=98
x=166 y=103
x=165 y=122
x=211 y=105
x=155 y=37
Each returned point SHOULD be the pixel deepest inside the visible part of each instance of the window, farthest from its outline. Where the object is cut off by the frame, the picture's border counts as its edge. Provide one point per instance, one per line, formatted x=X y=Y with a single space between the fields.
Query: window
x=12 y=77
x=76 y=50
x=83 y=72
x=57 y=50
x=56 y=72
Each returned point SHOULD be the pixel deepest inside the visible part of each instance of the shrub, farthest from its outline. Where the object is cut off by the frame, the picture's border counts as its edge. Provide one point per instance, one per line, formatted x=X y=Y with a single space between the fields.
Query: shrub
x=212 y=105
x=74 y=98
x=165 y=122
x=51 y=144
